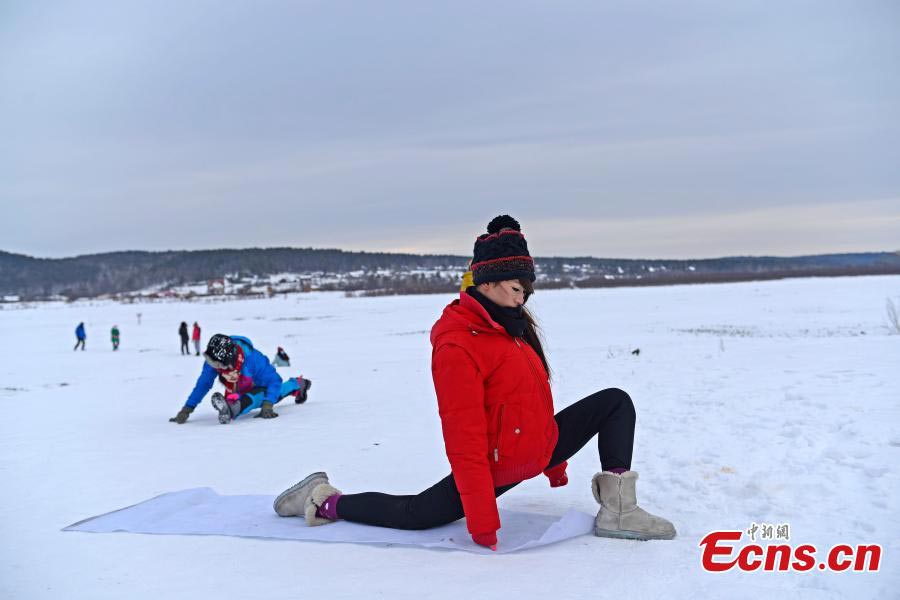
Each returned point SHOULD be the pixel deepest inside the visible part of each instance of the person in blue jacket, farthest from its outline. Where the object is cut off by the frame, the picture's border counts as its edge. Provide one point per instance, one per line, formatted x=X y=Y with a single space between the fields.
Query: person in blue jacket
x=80 y=336
x=250 y=381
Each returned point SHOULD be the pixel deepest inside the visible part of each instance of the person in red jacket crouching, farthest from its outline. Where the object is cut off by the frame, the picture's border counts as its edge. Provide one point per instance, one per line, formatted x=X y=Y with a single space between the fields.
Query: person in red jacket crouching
x=493 y=390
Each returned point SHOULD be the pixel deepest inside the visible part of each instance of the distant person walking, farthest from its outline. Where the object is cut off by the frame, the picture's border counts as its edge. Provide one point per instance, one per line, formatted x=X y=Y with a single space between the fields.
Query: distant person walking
x=80 y=336
x=114 y=335
x=195 y=337
x=183 y=333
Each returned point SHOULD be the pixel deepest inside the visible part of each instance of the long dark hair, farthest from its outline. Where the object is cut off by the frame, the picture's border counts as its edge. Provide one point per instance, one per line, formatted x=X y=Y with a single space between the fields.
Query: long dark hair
x=532 y=331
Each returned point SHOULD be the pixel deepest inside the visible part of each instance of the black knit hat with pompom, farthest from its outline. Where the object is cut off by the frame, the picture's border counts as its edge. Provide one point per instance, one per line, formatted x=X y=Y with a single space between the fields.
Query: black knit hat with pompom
x=222 y=350
x=502 y=253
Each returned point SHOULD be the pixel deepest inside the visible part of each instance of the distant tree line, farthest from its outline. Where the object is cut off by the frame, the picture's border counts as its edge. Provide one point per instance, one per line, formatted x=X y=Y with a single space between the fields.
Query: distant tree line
x=376 y=273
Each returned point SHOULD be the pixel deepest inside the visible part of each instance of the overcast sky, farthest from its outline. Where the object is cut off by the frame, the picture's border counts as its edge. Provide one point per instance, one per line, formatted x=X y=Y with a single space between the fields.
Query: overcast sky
x=608 y=128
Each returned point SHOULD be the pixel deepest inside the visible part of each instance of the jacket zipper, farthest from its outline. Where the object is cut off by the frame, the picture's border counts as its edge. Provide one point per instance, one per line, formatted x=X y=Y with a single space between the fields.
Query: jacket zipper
x=499 y=435
x=535 y=373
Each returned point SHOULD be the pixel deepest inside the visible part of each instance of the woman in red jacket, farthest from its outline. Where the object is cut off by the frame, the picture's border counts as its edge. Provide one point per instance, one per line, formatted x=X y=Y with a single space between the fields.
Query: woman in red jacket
x=195 y=337
x=499 y=427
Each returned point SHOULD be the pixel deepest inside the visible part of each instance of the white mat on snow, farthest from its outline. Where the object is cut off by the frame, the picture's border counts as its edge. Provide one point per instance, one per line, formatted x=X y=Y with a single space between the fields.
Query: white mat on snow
x=201 y=511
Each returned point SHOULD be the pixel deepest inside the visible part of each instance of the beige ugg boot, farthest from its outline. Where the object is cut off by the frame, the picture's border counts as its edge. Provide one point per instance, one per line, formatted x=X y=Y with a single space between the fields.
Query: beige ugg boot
x=304 y=498
x=619 y=515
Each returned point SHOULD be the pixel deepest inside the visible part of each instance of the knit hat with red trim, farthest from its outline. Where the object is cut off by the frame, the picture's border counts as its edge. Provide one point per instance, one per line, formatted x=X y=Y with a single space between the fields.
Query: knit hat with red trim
x=502 y=253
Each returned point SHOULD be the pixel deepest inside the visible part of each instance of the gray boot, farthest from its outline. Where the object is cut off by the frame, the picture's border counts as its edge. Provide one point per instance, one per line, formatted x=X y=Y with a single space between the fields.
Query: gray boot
x=304 y=498
x=620 y=516
x=223 y=407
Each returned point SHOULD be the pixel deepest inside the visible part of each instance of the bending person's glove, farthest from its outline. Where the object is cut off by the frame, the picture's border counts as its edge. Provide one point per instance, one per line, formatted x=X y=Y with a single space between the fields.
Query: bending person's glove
x=266 y=412
x=182 y=415
x=488 y=540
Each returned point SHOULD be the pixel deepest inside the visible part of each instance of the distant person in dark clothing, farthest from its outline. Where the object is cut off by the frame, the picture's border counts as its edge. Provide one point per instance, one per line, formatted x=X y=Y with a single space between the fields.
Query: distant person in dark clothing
x=80 y=336
x=195 y=337
x=114 y=335
x=183 y=332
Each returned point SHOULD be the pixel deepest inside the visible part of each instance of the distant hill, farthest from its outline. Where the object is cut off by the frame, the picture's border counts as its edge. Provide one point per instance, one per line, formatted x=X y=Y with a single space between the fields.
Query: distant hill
x=117 y=273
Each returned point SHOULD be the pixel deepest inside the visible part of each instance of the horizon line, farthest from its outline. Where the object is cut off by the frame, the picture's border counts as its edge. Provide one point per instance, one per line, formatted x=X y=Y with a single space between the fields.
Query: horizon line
x=435 y=254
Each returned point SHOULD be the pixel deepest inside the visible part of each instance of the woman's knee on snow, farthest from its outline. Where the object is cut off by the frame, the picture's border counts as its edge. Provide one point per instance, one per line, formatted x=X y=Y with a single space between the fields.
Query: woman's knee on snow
x=619 y=402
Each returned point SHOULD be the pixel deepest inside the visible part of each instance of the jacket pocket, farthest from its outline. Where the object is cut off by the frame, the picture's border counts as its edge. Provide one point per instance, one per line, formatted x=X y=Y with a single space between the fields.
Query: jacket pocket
x=497 y=434
x=507 y=434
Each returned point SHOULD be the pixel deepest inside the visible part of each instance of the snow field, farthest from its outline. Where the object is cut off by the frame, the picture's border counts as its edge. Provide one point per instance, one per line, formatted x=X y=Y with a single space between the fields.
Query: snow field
x=768 y=402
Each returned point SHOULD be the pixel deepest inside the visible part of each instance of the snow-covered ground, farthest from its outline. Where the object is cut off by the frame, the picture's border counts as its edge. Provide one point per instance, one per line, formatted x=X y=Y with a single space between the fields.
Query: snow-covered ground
x=757 y=402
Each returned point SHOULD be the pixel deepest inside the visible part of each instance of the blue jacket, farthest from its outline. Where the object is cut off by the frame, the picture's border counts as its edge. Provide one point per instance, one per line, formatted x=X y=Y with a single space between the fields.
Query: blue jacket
x=256 y=367
x=79 y=332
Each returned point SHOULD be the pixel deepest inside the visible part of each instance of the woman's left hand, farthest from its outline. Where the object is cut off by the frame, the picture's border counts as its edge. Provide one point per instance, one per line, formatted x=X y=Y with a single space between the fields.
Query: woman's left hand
x=559 y=481
x=557 y=475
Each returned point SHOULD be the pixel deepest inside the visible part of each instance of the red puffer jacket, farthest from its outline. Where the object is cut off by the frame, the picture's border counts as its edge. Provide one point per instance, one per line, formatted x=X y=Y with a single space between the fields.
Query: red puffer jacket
x=495 y=405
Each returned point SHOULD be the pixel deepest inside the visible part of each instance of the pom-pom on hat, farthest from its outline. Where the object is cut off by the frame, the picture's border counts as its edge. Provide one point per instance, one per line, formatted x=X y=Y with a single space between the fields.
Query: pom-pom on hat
x=502 y=253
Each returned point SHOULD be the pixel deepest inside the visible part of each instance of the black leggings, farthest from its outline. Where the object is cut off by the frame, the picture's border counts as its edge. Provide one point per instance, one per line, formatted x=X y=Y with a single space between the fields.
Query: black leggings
x=608 y=414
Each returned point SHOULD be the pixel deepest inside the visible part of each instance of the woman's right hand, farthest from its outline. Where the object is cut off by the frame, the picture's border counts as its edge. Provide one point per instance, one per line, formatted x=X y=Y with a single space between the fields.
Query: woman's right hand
x=488 y=540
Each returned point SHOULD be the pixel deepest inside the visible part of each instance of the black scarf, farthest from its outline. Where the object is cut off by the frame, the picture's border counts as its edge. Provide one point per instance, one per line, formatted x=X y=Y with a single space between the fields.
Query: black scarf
x=512 y=319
